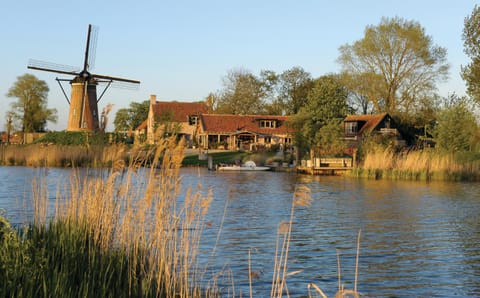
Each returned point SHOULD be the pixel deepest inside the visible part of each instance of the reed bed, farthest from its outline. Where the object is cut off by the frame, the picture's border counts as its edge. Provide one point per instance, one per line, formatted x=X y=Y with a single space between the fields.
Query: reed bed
x=427 y=164
x=121 y=234
x=40 y=155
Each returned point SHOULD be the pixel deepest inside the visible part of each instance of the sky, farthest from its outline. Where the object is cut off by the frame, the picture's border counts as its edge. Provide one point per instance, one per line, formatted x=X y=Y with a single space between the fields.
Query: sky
x=181 y=50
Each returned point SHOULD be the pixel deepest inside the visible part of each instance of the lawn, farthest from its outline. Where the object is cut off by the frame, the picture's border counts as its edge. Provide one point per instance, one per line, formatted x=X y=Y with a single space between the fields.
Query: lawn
x=218 y=157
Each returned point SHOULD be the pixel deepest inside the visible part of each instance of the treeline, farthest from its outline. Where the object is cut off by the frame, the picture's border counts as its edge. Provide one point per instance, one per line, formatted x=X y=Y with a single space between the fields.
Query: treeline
x=394 y=68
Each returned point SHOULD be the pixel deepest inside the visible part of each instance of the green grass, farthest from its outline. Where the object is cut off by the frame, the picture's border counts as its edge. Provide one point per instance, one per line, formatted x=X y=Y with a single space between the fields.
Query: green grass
x=218 y=157
x=64 y=260
x=229 y=157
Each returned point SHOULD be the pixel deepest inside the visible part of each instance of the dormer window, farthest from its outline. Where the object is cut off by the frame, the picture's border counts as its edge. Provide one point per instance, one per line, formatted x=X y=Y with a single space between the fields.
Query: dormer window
x=351 y=128
x=268 y=123
x=192 y=120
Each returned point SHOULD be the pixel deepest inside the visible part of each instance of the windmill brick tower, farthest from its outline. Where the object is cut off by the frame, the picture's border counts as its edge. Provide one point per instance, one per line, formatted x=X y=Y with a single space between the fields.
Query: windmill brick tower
x=83 y=113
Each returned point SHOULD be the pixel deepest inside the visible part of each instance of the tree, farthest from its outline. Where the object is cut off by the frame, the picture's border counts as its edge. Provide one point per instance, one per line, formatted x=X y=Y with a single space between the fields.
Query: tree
x=294 y=85
x=31 y=108
x=9 y=124
x=471 y=40
x=130 y=118
x=457 y=128
x=361 y=88
x=318 y=122
x=398 y=60
x=243 y=94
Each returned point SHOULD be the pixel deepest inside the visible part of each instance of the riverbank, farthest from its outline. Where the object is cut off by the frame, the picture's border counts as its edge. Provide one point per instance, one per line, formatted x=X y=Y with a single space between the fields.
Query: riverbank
x=423 y=165
x=98 y=242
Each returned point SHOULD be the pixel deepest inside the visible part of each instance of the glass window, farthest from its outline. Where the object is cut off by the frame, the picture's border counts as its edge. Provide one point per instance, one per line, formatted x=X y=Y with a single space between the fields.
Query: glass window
x=351 y=128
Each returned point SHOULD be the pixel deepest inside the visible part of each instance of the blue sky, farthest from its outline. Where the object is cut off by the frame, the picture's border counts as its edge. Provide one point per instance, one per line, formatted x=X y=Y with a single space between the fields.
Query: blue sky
x=181 y=50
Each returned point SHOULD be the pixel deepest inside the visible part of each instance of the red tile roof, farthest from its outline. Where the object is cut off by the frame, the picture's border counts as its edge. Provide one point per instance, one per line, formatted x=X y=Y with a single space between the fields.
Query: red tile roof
x=371 y=121
x=179 y=110
x=227 y=124
x=143 y=125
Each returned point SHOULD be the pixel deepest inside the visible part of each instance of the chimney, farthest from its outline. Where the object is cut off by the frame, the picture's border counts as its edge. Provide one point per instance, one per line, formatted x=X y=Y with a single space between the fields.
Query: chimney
x=153 y=99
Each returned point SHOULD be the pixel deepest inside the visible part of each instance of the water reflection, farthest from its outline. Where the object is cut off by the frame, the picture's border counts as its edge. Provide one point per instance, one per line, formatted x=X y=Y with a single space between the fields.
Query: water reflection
x=418 y=239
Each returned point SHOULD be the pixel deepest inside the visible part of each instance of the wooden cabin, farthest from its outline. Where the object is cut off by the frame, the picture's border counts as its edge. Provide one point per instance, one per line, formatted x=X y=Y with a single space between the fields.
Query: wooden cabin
x=358 y=127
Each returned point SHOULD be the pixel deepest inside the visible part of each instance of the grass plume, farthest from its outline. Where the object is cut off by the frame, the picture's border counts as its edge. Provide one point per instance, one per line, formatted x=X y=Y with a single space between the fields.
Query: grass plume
x=123 y=234
x=427 y=164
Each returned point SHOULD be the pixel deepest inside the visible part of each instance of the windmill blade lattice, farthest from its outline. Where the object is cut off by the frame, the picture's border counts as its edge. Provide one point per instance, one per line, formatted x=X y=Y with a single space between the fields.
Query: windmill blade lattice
x=83 y=113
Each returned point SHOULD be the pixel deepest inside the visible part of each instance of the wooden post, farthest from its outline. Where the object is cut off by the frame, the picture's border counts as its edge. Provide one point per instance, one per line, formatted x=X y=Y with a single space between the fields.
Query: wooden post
x=210 y=162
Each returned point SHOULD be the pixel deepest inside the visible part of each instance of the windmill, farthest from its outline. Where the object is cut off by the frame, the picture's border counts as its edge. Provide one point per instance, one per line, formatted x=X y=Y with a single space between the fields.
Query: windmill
x=83 y=114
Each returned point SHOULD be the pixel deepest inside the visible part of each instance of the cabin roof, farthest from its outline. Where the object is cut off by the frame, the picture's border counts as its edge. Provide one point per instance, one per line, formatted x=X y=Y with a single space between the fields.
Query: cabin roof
x=227 y=123
x=179 y=111
x=371 y=121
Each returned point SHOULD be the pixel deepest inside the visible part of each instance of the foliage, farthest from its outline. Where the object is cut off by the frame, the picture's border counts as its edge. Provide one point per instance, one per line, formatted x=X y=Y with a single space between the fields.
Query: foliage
x=294 y=85
x=330 y=138
x=471 y=40
x=395 y=65
x=74 y=138
x=326 y=106
x=457 y=129
x=269 y=93
x=128 y=119
x=243 y=94
x=31 y=108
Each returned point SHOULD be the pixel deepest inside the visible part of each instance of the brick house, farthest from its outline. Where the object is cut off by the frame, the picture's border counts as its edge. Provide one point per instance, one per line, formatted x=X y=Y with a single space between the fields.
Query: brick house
x=183 y=115
x=246 y=132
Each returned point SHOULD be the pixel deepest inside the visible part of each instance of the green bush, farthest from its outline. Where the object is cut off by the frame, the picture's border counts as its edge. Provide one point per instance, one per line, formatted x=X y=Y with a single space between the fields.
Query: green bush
x=78 y=138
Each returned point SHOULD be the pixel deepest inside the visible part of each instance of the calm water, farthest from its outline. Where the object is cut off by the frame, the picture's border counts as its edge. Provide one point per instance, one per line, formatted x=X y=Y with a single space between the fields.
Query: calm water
x=417 y=239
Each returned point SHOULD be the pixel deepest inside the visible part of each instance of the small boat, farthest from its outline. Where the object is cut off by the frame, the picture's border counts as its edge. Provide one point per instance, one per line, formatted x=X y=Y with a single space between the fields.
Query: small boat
x=248 y=166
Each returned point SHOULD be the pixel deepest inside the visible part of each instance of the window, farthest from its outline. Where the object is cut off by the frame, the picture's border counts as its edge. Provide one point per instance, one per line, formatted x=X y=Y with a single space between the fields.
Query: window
x=351 y=128
x=268 y=123
x=192 y=120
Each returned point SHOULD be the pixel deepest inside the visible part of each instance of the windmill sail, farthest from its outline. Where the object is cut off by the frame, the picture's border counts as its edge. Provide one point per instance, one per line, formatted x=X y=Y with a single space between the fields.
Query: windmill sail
x=83 y=114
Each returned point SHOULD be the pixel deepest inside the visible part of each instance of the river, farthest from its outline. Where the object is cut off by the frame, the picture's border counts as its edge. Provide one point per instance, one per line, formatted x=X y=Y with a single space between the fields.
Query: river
x=417 y=239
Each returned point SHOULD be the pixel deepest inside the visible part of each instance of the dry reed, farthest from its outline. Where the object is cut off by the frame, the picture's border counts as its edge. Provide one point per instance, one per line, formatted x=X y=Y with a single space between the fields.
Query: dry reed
x=301 y=198
x=427 y=164
x=140 y=215
x=41 y=155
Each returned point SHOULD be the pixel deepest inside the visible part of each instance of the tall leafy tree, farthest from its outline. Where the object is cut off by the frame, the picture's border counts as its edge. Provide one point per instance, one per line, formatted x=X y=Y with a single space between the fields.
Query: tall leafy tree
x=318 y=123
x=243 y=94
x=400 y=62
x=471 y=39
x=31 y=109
x=294 y=85
x=457 y=128
x=129 y=118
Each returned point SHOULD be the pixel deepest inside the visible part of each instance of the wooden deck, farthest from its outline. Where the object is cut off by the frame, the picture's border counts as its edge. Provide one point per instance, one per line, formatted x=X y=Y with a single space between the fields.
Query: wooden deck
x=327 y=166
x=323 y=170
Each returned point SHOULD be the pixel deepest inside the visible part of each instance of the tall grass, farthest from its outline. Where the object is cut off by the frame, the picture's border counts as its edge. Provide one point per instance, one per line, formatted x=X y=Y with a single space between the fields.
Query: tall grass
x=41 y=155
x=301 y=197
x=427 y=164
x=124 y=234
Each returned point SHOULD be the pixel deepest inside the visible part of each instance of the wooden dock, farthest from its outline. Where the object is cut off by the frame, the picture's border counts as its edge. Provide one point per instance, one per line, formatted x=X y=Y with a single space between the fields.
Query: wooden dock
x=326 y=166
